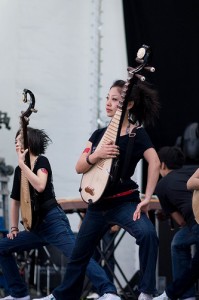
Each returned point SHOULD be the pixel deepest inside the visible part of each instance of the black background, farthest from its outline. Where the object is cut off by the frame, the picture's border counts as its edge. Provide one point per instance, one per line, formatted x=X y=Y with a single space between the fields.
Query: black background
x=171 y=29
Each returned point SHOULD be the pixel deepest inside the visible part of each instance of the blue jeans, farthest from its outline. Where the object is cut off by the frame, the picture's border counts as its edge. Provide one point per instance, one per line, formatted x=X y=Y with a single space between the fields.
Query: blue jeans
x=91 y=231
x=181 y=256
x=187 y=279
x=107 y=246
x=55 y=230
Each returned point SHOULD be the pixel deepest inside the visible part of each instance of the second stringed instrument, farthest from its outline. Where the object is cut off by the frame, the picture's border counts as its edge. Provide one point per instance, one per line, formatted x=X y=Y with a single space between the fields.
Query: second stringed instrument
x=95 y=180
x=195 y=205
x=25 y=189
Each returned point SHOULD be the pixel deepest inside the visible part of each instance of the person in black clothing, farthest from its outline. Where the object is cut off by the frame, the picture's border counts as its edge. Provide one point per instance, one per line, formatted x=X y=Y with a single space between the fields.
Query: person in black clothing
x=53 y=226
x=120 y=203
x=176 y=201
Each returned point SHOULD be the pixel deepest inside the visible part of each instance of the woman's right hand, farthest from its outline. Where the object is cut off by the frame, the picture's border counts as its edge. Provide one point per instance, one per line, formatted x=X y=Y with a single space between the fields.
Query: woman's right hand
x=109 y=150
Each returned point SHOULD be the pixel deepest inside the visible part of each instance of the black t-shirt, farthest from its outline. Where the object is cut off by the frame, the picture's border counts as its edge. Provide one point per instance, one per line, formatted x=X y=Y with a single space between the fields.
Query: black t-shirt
x=141 y=144
x=47 y=194
x=173 y=194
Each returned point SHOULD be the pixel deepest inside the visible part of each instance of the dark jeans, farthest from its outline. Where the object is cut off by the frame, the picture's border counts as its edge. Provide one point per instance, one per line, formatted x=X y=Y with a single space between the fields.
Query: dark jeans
x=55 y=230
x=189 y=277
x=181 y=254
x=107 y=246
x=92 y=230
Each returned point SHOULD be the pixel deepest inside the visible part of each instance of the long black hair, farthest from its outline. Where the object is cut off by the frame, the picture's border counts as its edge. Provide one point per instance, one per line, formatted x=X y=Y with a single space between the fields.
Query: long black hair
x=146 y=105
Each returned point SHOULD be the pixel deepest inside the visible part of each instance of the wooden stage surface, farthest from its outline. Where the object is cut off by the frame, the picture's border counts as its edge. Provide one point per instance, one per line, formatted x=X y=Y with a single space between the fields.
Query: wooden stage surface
x=75 y=204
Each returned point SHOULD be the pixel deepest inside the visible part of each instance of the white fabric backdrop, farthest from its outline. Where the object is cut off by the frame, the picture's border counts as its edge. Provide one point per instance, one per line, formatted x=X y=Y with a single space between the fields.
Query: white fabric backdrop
x=52 y=48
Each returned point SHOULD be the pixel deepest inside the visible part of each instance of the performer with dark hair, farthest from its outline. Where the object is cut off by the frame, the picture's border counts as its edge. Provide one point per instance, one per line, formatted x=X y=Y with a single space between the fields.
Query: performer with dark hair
x=52 y=227
x=176 y=201
x=120 y=203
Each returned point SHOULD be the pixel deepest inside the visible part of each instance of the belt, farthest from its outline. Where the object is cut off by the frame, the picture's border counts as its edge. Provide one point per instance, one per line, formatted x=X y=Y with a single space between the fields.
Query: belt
x=121 y=194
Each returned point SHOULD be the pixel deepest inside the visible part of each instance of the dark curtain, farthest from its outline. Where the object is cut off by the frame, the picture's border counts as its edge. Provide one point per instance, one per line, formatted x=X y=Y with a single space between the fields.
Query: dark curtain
x=171 y=28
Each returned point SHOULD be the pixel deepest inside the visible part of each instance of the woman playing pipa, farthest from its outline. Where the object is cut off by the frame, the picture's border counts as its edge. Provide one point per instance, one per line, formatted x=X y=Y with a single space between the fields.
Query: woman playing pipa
x=119 y=203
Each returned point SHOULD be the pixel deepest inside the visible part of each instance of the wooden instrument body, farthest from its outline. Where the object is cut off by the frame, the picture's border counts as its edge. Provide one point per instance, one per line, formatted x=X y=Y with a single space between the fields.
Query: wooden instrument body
x=25 y=197
x=195 y=205
x=95 y=180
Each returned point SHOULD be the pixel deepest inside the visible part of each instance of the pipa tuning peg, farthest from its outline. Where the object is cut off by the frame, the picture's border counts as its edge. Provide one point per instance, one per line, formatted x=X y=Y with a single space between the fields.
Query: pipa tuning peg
x=138 y=60
x=140 y=77
x=131 y=70
x=150 y=69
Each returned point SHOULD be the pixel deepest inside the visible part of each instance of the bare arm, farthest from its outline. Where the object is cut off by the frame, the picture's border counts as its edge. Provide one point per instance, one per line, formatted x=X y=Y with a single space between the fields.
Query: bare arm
x=39 y=180
x=108 y=150
x=178 y=218
x=14 y=218
x=152 y=178
x=193 y=182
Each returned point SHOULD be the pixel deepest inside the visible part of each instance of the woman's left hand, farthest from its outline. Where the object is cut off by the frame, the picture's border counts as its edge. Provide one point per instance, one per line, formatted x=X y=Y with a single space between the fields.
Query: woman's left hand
x=141 y=207
x=21 y=154
x=13 y=234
